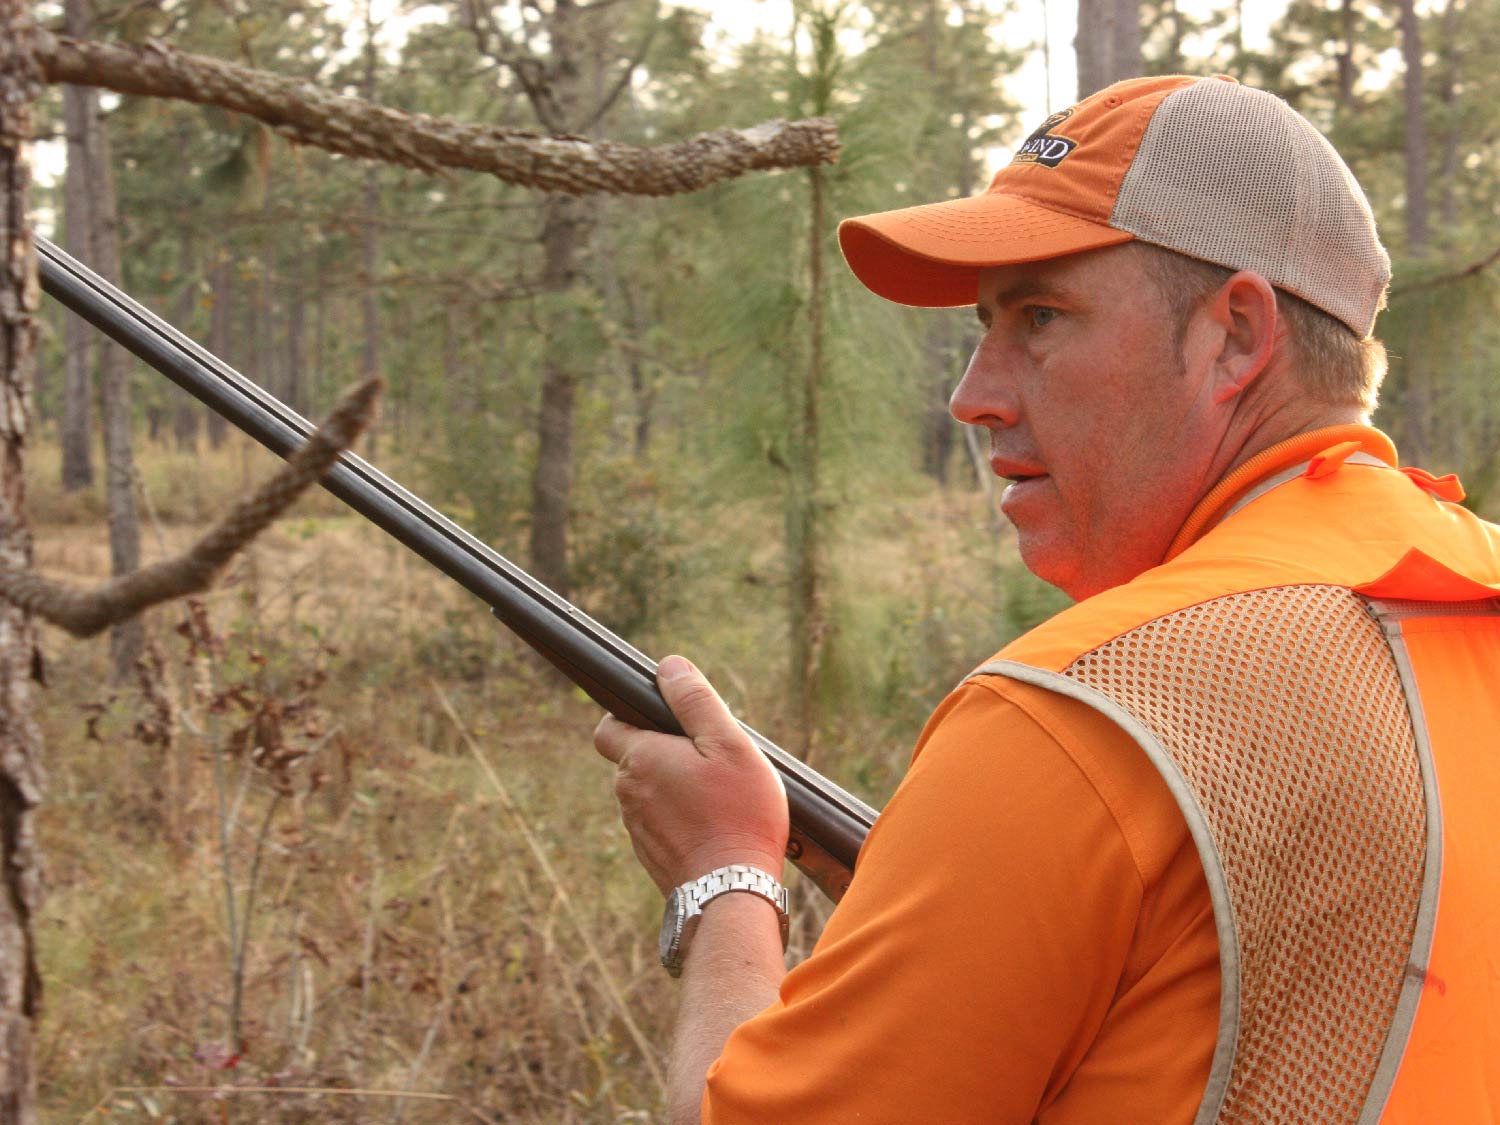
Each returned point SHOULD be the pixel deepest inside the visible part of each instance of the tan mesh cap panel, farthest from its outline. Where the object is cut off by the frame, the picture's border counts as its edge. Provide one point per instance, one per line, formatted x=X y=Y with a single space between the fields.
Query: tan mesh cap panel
x=1283 y=709
x=1276 y=199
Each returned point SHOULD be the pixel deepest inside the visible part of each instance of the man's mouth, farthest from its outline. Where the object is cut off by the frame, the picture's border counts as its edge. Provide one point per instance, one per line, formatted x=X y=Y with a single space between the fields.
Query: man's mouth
x=1015 y=471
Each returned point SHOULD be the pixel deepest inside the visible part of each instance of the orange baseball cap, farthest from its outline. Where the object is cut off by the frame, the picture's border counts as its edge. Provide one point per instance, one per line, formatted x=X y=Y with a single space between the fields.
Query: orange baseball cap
x=1203 y=166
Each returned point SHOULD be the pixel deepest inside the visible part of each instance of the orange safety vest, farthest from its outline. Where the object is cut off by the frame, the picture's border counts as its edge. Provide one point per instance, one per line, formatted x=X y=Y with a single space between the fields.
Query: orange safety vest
x=1317 y=677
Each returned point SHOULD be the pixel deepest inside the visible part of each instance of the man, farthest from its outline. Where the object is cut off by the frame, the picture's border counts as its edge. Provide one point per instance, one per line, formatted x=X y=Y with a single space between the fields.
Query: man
x=1215 y=843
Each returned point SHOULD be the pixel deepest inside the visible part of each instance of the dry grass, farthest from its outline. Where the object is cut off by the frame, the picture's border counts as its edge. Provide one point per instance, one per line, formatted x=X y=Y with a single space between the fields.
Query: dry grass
x=402 y=937
x=418 y=925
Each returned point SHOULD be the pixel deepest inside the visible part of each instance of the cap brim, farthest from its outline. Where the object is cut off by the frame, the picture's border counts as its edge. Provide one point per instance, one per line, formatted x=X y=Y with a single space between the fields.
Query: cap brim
x=930 y=256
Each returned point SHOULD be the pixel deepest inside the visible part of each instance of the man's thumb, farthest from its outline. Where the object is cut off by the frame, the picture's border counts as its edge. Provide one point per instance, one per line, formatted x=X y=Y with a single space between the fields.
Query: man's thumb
x=696 y=704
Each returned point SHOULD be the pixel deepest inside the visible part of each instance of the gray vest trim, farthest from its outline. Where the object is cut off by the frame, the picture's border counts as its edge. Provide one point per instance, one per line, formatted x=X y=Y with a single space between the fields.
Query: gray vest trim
x=1213 y=869
x=1390 y=614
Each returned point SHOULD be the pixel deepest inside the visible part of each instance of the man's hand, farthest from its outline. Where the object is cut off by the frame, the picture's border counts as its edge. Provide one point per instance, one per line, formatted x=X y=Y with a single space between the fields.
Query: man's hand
x=696 y=803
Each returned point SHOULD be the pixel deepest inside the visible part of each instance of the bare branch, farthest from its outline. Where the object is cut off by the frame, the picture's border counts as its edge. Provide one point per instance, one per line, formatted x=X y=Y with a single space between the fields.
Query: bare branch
x=493 y=44
x=309 y=114
x=606 y=103
x=87 y=612
x=1441 y=279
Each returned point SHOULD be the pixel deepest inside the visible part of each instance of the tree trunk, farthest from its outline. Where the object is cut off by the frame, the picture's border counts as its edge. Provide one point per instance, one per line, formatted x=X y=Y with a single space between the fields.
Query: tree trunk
x=565 y=225
x=369 y=241
x=1090 y=44
x=804 y=530
x=1453 y=56
x=295 y=293
x=265 y=356
x=20 y=658
x=128 y=639
x=806 y=515
x=186 y=411
x=79 y=340
x=1125 y=53
x=1345 y=58
x=220 y=323
x=552 y=483
x=564 y=228
x=1108 y=43
x=1417 y=369
x=320 y=333
x=1415 y=132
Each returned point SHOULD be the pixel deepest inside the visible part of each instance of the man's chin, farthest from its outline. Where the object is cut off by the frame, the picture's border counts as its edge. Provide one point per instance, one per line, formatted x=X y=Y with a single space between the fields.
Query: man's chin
x=1053 y=566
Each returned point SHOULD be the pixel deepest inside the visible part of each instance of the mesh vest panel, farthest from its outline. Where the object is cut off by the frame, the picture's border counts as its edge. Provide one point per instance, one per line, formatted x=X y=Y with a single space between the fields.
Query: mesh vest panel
x=1283 y=710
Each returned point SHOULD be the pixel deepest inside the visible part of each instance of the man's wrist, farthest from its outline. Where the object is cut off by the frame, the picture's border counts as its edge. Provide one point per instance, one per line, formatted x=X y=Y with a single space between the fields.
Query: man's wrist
x=688 y=901
x=772 y=863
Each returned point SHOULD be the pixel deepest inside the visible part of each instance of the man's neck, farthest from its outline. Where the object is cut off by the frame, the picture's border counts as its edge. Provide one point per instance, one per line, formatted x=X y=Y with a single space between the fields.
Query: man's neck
x=1273 y=409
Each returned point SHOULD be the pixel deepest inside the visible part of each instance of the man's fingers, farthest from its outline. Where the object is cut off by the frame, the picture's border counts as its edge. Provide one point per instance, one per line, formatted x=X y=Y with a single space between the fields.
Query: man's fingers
x=704 y=716
x=611 y=737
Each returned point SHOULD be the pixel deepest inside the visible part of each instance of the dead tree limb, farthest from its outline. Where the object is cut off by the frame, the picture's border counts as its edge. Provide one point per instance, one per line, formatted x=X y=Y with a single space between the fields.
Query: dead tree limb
x=309 y=114
x=1461 y=274
x=86 y=612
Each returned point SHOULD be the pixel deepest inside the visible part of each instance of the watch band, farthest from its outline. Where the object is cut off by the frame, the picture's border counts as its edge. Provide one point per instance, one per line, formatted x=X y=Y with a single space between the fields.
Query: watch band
x=685 y=906
x=736 y=877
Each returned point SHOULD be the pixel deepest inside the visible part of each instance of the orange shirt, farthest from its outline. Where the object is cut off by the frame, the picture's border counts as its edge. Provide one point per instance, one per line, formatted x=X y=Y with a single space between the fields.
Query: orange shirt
x=1029 y=938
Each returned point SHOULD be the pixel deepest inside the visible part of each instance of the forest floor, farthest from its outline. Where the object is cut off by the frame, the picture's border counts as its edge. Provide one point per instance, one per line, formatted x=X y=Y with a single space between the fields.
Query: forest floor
x=343 y=851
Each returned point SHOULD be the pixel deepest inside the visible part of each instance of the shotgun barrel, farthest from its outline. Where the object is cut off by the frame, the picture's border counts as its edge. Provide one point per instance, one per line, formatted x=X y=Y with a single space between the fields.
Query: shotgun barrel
x=828 y=824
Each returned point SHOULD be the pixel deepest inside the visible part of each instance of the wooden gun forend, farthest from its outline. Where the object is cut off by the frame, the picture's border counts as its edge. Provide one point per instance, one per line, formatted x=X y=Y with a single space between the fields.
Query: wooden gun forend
x=828 y=825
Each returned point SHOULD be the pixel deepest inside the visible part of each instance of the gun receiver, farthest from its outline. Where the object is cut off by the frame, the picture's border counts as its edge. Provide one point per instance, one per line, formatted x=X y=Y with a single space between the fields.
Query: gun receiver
x=828 y=824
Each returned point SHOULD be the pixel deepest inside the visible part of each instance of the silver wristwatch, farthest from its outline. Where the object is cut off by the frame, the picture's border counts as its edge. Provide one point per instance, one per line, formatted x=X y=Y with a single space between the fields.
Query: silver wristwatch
x=685 y=907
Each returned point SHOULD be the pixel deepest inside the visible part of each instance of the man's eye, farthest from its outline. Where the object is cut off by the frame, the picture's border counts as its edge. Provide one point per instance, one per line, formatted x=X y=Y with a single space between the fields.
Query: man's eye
x=1040 y=316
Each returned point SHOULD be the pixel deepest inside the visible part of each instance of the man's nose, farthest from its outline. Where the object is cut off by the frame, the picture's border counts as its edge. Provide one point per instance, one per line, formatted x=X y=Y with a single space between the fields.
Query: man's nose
x=984 y=397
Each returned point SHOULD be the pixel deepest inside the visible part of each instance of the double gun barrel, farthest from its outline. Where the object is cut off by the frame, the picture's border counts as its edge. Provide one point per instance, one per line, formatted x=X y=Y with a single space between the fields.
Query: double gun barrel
x=828 y=824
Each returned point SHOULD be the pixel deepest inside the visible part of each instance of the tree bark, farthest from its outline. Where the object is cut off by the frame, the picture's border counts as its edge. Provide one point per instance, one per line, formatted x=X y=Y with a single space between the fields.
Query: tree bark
x=1125 y=53
x=369 y=243
x=556 y=95
x=79 y=341
x=804 y=523
x=369 y=297
x=127 y=639
x=1345 y=58
x=220 y=325
x=1108 y=43
x=186 y=411
x=1418 y=371
x=1089 y=46
x=564 y=229
x=296 y=322
x=308 y=114
x=1453 y=58
x=552 y=483
x=20 y=658
x=1415 y=132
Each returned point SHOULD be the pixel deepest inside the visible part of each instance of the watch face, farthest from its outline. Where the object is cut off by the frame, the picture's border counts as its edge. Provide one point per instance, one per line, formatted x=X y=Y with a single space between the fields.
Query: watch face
x=671 y=930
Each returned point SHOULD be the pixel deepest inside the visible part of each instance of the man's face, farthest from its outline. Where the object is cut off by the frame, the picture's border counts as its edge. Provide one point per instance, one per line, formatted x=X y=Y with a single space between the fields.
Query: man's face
x=1107 y=431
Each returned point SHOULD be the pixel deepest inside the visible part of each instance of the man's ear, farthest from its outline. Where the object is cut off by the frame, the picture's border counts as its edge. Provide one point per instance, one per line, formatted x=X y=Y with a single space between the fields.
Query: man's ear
x=1245 y=330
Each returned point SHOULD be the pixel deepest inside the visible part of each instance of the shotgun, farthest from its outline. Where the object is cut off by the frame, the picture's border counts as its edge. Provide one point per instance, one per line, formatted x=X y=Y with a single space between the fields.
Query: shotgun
x=828 y=824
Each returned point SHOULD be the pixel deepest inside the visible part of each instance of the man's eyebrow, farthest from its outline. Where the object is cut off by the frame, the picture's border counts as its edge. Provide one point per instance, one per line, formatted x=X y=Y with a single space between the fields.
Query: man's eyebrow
x=1027 y=288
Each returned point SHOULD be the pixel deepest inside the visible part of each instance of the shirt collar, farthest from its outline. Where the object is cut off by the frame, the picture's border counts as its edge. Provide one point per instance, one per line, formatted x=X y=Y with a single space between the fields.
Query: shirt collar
x=1222 y=498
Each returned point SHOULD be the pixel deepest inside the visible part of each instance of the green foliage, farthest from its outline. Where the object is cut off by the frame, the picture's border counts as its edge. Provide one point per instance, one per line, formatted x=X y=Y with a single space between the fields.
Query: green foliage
x=688 y=325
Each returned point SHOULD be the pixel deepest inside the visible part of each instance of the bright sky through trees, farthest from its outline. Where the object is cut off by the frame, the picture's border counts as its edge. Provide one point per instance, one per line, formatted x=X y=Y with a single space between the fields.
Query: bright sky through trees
x=1047 y=80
